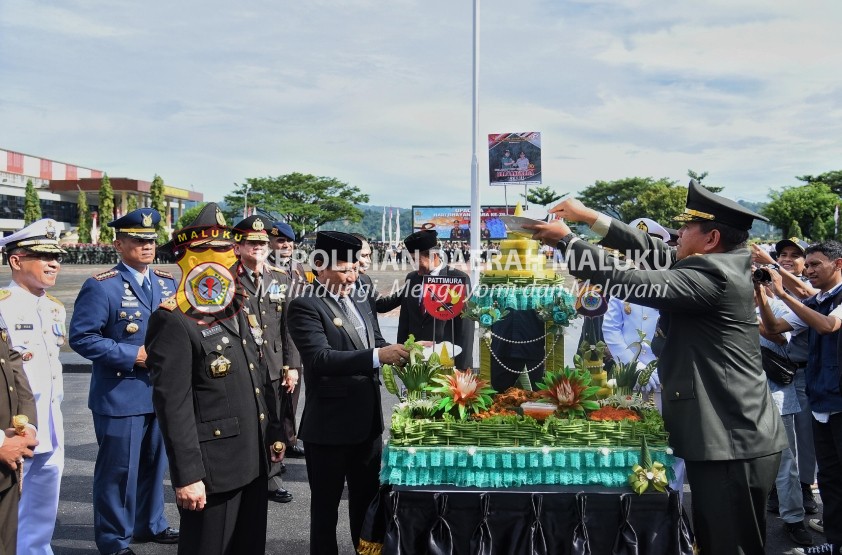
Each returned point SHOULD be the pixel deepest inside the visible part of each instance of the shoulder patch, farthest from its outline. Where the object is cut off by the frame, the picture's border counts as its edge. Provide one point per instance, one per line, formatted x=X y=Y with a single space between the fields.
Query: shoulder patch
x=162 y=273
x=55 y=300
x=5 y=294
x=276 y=269
x=169 y=304
x=106 y=275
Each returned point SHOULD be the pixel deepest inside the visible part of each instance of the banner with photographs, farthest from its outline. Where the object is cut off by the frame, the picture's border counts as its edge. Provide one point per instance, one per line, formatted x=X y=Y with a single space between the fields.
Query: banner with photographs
x=453 y=223
x=514 y=158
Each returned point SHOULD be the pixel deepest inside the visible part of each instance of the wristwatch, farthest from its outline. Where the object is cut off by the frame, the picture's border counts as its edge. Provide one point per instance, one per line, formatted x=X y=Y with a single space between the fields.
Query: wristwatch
x=564 y=241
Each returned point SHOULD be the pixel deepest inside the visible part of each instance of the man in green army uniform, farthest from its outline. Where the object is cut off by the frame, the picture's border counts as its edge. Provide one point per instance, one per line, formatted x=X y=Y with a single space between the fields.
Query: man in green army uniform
x=716 y=402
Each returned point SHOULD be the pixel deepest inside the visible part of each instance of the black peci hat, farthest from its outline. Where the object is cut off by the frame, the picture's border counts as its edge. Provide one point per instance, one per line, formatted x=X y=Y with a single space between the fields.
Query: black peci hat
x=704 y=206
x=422 y=240
x=338 y=246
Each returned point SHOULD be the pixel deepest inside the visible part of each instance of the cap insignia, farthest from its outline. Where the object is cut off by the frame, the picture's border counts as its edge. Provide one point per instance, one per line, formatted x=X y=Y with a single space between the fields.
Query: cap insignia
x=147 y=220
x=643 y=227
x=51 y=230
x=220 y=219
x=257 y=225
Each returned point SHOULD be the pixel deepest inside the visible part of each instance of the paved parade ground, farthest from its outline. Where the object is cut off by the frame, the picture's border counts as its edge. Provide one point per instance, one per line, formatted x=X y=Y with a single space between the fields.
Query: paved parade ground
x=288 y=524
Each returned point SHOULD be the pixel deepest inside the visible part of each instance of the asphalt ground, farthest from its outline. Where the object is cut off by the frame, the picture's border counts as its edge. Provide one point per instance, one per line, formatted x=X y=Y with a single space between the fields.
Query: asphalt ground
x=288 y=524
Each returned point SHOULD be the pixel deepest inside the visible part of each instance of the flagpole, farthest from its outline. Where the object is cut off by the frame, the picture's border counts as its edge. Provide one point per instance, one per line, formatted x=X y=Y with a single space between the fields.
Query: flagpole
x=383 y=227
x=475 y=202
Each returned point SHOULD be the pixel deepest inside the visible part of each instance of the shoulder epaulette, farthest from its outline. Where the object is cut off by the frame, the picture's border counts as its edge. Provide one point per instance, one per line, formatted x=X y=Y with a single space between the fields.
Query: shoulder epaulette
x=276 y=269
x=55 y=300
x=162 y=273
x=5 y=294
x=106 y=275
x=169 y=304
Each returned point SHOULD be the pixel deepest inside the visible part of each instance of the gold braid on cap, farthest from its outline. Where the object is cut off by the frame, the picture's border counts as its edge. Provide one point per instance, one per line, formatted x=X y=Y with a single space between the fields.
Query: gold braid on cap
x=689 y=215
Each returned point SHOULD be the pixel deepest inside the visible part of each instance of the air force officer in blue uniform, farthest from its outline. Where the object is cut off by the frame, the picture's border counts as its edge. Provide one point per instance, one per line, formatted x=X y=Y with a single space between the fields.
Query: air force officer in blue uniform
x=108 y=327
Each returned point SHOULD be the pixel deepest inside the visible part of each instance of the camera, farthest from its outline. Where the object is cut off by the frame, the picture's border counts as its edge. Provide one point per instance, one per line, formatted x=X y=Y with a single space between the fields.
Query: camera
x=761 y=275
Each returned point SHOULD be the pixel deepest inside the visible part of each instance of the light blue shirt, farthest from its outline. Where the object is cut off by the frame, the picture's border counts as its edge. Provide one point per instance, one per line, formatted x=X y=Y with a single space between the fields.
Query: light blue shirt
x=138 y=277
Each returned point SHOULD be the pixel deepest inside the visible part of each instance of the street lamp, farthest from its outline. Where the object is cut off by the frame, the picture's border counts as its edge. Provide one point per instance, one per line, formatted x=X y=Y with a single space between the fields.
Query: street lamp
x=246 y=202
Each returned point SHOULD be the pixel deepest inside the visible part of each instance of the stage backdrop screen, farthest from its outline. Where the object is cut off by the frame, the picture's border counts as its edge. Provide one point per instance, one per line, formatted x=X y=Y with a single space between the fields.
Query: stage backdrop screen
x=514 y=158
x=453 y=223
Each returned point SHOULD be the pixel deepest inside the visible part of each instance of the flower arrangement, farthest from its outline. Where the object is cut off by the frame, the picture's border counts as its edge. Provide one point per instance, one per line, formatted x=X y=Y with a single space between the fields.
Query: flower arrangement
x=487 y=316
x=570 y=388
x=463 y=390
x=557 y=313
x=417 y=373
x=613 y=414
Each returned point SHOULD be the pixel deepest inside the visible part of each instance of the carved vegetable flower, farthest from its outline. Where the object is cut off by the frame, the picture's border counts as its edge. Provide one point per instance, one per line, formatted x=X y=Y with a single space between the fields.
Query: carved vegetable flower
x=463 y=390
x=570 y=388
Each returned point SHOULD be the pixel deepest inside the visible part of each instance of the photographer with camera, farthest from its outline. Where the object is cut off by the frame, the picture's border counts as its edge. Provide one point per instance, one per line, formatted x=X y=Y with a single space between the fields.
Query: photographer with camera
x=821 y=312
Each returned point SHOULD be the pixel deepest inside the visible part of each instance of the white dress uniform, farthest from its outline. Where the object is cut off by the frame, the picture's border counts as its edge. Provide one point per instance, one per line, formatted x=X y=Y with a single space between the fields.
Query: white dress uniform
x=37 y=331
x=619 y=328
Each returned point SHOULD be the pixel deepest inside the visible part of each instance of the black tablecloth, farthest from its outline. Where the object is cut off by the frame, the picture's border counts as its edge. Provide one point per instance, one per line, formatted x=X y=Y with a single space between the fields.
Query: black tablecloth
x=530 y=521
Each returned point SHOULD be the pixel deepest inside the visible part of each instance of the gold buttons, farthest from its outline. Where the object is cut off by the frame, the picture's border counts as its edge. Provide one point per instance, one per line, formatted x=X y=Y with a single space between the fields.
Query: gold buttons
x=11 y=388
x=251 y=366
x=119 y=374
x=257 y=391
x=244 y=341
x=262 y=417
x=219 y=347
x=2 y=361
x=217 y=433
x=225 y=340
x=677 y=394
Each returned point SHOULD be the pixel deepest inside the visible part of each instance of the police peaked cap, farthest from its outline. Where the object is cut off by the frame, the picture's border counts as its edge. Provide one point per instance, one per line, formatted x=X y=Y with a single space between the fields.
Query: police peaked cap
x=138 y=223
x=338 y=246
x=704 y=206
x=422 y=240
x=253 y=228
x=282 y=229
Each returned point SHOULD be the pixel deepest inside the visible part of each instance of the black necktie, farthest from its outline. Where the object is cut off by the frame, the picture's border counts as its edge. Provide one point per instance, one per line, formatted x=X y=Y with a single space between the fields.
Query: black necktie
x=256 y=280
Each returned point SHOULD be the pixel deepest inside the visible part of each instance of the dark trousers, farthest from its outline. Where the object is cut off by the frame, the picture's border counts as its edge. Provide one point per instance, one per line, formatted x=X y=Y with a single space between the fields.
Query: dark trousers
x=128 y=491
x=289 y=408
x=275 y=481
x=328 y=467
x=828 y=441
x=9 y=517
x=232 y=522
x=729 y=503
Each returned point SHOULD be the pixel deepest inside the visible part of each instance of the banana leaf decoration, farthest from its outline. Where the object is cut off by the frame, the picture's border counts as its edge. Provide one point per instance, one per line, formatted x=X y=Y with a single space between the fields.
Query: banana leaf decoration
x=389 y=379
x=648 y=473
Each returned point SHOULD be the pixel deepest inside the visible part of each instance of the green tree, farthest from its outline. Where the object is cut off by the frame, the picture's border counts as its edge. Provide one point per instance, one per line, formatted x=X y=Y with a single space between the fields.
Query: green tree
x=84 y=224
x=611 y=196
x=106 y=210
x=304 y=201
x=795 y=230
x=189 y=215
x=542 y=195
x=832 y=179
x=661 y=202
x=804 y=205
x=700 y=177
x=31 y=204
x=158 y=202
x=131 y=203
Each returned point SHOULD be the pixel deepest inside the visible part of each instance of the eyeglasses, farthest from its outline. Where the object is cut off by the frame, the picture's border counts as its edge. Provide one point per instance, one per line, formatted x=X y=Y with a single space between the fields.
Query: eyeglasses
x=43 y=257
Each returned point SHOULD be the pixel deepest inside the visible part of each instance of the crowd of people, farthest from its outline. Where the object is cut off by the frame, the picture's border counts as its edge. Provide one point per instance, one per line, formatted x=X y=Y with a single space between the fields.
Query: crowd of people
x=200 y=374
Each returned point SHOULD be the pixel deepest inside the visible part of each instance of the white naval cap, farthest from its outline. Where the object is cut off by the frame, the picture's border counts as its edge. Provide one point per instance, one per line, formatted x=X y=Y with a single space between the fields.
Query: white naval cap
x=40 y=236
x=651 y=227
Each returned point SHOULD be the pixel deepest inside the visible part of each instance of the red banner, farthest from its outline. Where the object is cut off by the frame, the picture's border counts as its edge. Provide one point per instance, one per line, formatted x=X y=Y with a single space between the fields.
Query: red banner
x=14 y=162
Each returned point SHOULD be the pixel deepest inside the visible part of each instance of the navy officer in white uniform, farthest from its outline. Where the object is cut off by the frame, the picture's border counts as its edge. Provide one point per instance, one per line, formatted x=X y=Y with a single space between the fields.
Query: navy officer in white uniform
x=108 y=327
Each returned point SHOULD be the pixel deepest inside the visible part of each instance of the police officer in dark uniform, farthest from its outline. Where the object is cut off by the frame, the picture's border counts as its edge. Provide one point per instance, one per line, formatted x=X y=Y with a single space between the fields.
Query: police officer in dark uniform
x=14 y=443
x=282 y=249
x=716 y=402
x=212 y=394
x=108 y=327
x=267 y=287
x=414 y=319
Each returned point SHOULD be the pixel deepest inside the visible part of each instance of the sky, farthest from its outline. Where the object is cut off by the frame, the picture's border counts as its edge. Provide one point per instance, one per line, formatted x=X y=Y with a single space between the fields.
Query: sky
x=378 y=93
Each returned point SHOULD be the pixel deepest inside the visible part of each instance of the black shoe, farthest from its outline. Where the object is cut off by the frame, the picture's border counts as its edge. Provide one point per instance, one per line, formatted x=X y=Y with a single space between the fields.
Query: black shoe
x=126 y=551
x=280 y=495
x=810 y=505
x=798 y=533
x=169 y=535
x=296 y=452
x=772 y=503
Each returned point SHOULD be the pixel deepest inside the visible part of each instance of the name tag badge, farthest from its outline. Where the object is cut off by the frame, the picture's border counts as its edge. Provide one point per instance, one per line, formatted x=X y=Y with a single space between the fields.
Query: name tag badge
x=21 y=327
x=126 y=304
x=217 y=329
